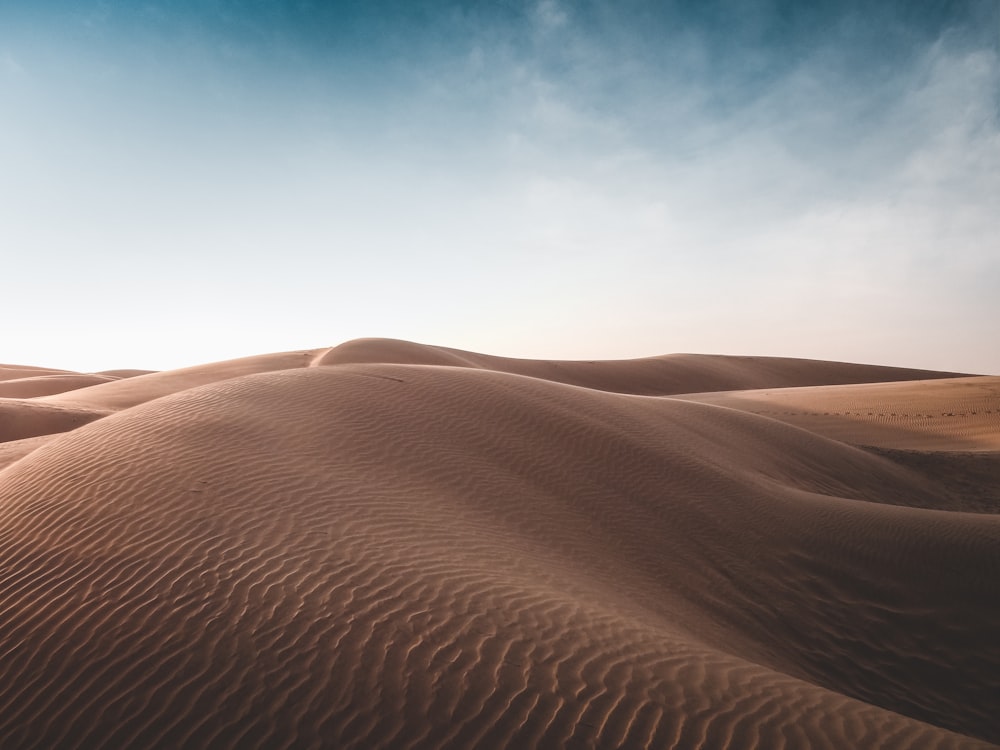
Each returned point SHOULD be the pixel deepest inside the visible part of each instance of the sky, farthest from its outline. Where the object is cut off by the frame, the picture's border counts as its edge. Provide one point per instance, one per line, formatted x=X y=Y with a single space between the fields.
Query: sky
x=191 y=181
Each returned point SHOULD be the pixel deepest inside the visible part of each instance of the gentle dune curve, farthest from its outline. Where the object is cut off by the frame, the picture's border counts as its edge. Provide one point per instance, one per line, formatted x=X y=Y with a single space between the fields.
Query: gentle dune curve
x=17 y=372
x=127 y=392
x=426 y=556
x=125 y=373
x=933 y=415
x=665 y=375
x=48 y=385
x=25 y=418
x=12 y=451
x=653 y=376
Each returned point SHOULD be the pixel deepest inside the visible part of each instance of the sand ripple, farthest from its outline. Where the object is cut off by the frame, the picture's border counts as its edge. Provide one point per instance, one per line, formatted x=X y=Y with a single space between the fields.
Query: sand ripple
x=420 y=555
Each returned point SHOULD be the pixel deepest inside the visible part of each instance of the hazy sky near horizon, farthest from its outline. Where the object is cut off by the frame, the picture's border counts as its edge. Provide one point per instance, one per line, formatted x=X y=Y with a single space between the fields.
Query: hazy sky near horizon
x=182 y=182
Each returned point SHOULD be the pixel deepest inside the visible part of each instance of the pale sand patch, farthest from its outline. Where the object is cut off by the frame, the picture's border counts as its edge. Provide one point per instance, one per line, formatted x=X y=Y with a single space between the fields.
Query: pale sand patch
x=951 y=414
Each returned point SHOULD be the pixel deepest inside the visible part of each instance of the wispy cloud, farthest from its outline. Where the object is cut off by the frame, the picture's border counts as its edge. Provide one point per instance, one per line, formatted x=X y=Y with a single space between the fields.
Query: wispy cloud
x=667 y=175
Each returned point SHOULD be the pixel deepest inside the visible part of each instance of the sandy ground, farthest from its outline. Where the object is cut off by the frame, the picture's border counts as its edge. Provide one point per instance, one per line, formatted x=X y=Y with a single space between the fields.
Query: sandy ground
x=390 y=545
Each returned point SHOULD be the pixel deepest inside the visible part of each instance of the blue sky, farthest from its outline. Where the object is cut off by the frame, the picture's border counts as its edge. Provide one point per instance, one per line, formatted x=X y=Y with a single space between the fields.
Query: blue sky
x=188 y=181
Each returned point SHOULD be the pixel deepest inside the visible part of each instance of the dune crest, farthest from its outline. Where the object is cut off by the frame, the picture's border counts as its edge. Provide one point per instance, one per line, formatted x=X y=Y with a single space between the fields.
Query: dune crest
x=10 y=371
x=48 y=385
x=942 y=415
x=304 y=550
x=652 y=376
x=128 y=392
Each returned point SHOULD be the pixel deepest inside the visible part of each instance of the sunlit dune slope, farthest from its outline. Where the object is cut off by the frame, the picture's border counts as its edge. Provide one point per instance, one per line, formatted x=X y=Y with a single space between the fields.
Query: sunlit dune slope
x=47 y=385
x=16 y=372
x=412 y=555
x=951 y=414
x=15 y=450
x=124 y=373
x=124 y=393
x=666 y=375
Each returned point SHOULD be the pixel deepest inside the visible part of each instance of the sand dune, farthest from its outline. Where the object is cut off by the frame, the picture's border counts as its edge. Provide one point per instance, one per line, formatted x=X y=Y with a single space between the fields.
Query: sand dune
x=124 y=393
x=951 y=414
x=47 y=385
x=652 y=376
x=126 y=373
x=16 y=372
x=23 y=418
x=307 y=550
x=15 y=450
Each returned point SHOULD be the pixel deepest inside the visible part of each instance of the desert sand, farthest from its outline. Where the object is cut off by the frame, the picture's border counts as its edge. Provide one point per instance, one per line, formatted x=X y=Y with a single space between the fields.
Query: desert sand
x=390 y=545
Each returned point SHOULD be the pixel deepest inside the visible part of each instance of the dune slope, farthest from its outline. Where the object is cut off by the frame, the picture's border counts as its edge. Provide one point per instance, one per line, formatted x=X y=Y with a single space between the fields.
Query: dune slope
x=25 y=418
x=933 y=415
x=652 y=376
x=47 y=385
x=131 y=391
x=416 y=555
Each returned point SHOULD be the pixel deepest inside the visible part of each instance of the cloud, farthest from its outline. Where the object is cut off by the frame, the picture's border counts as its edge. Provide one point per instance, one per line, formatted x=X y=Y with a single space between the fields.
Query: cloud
x=550 y=14
x=671 y=175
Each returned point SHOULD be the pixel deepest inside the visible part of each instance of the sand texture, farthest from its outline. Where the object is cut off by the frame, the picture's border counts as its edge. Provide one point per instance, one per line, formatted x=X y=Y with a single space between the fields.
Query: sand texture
x=389 y=545
x=947 y=415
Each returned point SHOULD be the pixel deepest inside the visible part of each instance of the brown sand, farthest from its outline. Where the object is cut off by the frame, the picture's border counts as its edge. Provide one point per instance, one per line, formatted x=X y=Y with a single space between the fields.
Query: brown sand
x=951 y=414
x=306 y=550
x=47 y=385
x=653 y=376
x=23 y=418
x=16 y=372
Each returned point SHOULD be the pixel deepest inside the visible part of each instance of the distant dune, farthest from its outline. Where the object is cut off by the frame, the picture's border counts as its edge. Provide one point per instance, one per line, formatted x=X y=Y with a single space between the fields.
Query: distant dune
x=390 y=545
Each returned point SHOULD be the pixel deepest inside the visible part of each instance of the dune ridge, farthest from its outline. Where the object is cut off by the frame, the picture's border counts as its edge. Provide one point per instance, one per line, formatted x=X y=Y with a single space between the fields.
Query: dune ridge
x=16 y=372
x=943 y=414
x=300 y=550
x=47 y=385
x=665 y=375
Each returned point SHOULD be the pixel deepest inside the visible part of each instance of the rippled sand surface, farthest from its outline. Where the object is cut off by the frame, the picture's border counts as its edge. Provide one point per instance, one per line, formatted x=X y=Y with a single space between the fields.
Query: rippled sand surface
x=389 y=545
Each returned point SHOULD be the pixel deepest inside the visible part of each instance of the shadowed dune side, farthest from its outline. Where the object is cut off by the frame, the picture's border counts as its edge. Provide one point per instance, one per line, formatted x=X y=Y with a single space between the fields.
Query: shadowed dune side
x=966 y=481
x=397 y=556
x=12 y=451
x=128 y=392
x=652 y=376
x=26 y=418
x=960 y=414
